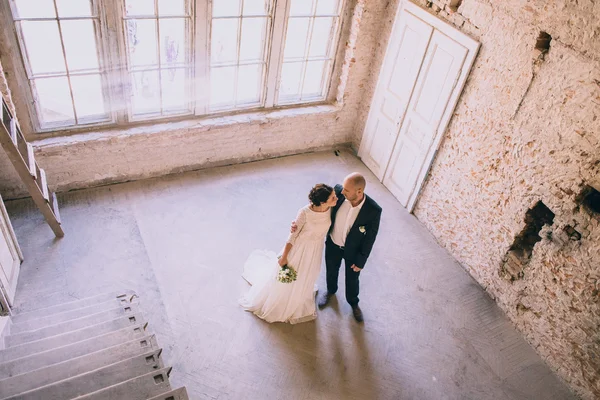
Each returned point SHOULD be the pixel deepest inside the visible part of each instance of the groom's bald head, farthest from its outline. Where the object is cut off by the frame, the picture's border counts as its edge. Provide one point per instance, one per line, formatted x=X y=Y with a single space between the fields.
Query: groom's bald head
x=354 y=187
x=357 y=180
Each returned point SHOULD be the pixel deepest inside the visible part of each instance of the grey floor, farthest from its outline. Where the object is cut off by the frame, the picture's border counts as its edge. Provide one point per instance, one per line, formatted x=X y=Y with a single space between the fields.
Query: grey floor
x=430 y=331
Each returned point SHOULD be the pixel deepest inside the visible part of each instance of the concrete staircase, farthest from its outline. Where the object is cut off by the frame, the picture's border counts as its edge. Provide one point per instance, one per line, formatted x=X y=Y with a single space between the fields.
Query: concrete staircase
x=21 y=155
x=90 y=349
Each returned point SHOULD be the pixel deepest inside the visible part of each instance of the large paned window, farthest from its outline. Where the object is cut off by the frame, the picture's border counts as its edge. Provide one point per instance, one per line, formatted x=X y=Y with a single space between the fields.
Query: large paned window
x=100 y=62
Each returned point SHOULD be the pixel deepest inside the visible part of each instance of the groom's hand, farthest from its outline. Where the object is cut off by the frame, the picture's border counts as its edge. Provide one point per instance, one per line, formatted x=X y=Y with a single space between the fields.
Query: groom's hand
x=294 y=227
x=355 y=268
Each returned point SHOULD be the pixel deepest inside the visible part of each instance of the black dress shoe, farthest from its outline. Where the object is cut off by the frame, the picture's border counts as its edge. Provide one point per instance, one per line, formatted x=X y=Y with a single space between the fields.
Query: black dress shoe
x=324 y=300
x=358 y=315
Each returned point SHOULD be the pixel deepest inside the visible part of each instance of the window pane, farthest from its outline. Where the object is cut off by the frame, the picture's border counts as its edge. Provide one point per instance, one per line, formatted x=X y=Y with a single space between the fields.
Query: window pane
x=291 y=76
x=80 y=44
x=172 y=36
x=74 y=8
x=89 y=100
x=253 y=30
x=327 y=7
x=222 y=86
x=313 y=80
x=174 y=92
x=54 y=100
x=139 y=7
x=295 y=39
x=146 y=92
x=35 y=9
x=301 y=7
x=255 y=7
x=249 y=83
x=300 y=78
x=142 y=42
x=320 y=39
x=171 y=7
x=226 y=8
x=44 y=48
x=224 y=40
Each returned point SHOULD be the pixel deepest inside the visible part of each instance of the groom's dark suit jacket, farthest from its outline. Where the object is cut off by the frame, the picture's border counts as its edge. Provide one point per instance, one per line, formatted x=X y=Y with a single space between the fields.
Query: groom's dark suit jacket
x=358 y=243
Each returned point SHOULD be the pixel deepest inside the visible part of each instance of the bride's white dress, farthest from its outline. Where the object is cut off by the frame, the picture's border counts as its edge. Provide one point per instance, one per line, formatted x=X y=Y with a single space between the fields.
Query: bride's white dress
x=293 y=302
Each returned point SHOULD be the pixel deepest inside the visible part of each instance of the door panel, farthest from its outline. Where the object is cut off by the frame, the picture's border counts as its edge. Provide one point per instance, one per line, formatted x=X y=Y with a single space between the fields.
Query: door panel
x=397 y=80
x=10 y=258
x=441 y=69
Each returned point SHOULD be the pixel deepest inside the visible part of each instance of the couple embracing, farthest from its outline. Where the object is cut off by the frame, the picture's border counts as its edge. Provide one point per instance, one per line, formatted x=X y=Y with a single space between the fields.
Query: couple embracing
x=345 y=221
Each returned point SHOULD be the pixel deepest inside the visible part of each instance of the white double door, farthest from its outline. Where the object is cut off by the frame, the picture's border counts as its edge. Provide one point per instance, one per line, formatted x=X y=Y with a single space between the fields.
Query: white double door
x=423 y=73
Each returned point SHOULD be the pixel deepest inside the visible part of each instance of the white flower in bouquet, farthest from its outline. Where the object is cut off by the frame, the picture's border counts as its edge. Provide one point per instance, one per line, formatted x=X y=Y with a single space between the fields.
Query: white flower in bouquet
x=286 y=274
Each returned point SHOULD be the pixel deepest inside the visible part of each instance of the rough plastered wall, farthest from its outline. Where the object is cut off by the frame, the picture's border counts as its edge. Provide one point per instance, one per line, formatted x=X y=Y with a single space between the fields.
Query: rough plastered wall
x=102 y=157
x=526 y=129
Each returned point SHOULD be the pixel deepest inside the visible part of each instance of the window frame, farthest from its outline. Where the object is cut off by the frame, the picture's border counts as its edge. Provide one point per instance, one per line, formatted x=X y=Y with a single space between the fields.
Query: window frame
x=111 y=37
x=123 y=56
x=333 y=48
x=104 y=68
x=203 y=106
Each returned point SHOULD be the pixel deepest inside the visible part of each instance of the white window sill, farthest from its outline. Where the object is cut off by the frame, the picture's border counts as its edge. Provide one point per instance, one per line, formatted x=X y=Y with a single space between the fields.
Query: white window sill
x=197 y=124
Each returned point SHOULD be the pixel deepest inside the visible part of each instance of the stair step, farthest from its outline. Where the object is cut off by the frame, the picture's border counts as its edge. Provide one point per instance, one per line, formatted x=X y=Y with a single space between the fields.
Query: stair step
x=76 y=366
x=124 y=296
x=177 y=394
x=4 y=113
x=54 y=206
x=13 y=131
x=140 y=388
x=60 y=354
x=76 y=324
x=38 y=346
x=43 y=183
x=31 y=161
x=97 y=379
x=42 y=322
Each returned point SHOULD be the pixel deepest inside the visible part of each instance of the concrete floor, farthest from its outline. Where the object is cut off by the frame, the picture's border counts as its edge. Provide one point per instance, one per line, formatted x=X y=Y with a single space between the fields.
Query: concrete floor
x=430 y=331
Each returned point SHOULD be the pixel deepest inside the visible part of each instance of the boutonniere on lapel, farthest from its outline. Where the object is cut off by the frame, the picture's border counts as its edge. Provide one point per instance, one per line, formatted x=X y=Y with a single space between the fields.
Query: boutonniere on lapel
x=362 y=229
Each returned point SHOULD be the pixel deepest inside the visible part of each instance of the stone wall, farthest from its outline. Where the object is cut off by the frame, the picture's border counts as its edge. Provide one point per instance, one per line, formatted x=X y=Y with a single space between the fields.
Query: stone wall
x=526 y=129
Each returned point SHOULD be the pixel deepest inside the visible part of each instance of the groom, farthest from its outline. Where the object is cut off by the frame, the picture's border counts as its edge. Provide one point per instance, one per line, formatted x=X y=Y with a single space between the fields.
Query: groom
x=354 y=226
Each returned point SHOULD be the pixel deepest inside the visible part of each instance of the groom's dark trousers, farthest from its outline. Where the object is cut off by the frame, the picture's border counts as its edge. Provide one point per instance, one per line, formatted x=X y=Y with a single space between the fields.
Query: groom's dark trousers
x=333 y=261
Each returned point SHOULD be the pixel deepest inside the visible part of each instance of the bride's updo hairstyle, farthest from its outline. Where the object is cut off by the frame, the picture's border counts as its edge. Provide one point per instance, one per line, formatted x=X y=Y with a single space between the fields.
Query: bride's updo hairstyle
x=319 y=194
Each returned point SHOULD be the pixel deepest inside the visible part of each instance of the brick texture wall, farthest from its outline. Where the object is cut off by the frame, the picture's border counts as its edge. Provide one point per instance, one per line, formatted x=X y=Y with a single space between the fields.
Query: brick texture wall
x=526 y=129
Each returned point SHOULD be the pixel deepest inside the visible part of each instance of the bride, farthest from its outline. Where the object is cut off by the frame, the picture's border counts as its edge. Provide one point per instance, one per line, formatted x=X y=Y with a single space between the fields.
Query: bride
x=293 y=302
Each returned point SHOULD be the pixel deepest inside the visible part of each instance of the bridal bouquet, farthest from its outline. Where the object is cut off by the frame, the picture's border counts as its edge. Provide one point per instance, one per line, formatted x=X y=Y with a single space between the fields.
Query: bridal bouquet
x=286 y=274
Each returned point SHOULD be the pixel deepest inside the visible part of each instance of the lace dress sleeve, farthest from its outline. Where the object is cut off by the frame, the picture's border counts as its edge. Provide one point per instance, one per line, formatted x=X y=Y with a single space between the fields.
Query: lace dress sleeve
x=300 y=221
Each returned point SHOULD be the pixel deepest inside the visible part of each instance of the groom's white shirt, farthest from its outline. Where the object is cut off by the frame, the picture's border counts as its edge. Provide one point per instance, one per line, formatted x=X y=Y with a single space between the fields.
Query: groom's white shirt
x=345 y=218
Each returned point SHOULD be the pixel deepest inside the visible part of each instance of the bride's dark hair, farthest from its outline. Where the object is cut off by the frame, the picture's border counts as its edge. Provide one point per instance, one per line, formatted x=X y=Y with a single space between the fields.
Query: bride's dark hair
x=319 y=194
